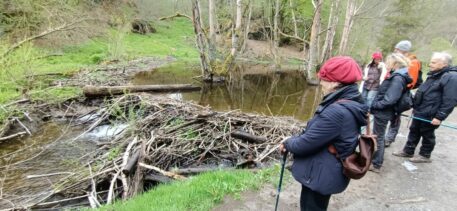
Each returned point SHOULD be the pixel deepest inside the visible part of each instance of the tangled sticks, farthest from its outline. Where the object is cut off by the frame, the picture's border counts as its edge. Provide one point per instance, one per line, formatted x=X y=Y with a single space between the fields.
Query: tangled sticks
x=168 y=139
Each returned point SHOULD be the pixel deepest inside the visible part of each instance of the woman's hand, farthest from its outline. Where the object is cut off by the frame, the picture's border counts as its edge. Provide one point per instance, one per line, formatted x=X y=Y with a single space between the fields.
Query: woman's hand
x=282 y=146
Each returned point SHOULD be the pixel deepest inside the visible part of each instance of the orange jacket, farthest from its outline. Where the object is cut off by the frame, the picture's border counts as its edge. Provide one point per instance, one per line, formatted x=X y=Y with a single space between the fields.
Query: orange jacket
x=413 y=69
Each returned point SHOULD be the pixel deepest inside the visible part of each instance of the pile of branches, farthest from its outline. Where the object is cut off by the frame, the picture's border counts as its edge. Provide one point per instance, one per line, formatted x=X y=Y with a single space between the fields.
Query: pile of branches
x=169 y=140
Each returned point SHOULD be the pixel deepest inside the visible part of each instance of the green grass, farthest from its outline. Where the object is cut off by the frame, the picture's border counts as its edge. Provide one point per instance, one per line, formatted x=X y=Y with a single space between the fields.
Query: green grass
x=173 y=38
x=199 y=193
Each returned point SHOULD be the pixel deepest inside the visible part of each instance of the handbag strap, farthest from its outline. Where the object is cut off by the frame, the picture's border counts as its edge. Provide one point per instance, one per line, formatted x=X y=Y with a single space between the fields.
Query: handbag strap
x=368 y=128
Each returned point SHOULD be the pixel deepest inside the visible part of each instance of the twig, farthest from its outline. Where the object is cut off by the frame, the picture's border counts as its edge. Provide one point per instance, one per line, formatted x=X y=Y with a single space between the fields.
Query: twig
x=12 y=136
x=166 y=173
x=47 y=175
x=23 y=126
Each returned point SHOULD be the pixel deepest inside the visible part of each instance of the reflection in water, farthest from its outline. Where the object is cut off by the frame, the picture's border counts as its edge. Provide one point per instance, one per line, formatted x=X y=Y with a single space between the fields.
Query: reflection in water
x=249 y=89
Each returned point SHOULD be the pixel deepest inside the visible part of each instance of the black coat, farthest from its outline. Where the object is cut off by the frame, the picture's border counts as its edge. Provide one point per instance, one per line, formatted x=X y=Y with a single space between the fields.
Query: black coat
x=389 y=93
x=437 y=96
x=336 y=123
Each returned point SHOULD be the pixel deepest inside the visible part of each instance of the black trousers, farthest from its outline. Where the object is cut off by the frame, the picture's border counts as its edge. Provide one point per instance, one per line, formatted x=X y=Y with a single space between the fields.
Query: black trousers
x=313 y=201
x=417 y=130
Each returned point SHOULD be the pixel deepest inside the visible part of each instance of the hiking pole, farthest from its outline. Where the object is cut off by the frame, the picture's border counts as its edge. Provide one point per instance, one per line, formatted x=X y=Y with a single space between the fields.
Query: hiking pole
x=283 y=165
x=426 y=120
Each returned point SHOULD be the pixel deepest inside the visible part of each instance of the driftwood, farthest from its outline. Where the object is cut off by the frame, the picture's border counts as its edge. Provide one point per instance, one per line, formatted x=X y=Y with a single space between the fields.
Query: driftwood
x=98 y=91
x=248 y=137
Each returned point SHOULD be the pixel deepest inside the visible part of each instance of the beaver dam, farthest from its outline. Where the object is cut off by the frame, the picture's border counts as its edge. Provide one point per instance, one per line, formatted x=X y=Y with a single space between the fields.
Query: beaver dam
x=151 y=140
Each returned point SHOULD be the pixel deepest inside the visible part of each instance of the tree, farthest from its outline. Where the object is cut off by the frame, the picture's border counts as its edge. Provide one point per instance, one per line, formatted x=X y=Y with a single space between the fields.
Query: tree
x=331 y=30
x=313 y=54
x=402 y=23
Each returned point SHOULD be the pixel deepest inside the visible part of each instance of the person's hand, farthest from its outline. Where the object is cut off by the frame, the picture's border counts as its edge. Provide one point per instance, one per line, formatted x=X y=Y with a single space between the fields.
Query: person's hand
x=436 y=121
x=282 y=148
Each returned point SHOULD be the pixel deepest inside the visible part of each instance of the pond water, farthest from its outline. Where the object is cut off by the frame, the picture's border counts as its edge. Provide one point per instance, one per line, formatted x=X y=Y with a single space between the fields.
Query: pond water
x=252 y=88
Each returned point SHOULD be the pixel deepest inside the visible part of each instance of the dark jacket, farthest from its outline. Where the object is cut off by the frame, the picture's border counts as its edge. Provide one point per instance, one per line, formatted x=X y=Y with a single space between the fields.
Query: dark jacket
x=437 y=96
x=389 y=93
x=336 y=123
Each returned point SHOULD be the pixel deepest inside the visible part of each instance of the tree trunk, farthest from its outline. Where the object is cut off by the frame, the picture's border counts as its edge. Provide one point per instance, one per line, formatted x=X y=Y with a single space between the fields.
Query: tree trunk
x=236 y=32
x=212 y=30
x=331 y=29
x=201 y=42
x=313 y=55
x=350 y=12
x=294 y=19
x=276 y=35
x=246 y=31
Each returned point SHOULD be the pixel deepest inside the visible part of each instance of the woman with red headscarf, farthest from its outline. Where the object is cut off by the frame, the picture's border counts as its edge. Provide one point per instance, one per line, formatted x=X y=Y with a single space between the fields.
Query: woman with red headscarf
x=373 y=75
x=336 y=122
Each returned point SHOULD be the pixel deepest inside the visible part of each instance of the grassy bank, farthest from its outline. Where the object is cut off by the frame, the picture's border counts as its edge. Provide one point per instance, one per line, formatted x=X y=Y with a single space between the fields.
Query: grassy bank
x=27 y=70
x=199 y=193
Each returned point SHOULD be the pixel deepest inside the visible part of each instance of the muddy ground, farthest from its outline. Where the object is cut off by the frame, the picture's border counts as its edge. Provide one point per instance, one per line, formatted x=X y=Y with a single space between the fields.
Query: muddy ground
x=431 y=186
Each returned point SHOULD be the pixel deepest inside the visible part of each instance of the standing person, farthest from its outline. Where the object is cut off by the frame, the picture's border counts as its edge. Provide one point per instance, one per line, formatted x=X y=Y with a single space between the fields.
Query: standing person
x=404 y=47
x=434 y=101
x=336 y=122
x=383 y=105
x=373 y=75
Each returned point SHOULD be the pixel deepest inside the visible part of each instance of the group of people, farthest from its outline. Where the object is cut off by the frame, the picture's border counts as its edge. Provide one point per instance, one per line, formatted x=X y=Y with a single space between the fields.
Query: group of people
x=345 y=109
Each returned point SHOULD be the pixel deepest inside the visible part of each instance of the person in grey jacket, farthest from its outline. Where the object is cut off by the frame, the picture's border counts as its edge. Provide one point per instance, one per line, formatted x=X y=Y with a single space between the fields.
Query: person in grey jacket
x=336 y=122
x=382 y=108
x=434 y=101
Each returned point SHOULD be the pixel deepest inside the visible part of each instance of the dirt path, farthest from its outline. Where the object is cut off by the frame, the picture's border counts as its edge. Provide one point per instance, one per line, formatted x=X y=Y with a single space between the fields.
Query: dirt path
x=430 y=187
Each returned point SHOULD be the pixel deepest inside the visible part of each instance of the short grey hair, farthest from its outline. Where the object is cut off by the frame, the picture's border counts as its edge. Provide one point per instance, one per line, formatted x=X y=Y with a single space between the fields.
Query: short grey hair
x=443 y=56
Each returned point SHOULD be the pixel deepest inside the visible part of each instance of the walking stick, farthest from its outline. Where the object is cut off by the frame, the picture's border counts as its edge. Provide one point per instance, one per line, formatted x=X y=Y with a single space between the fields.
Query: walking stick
x=283 y=164
x=428 y=121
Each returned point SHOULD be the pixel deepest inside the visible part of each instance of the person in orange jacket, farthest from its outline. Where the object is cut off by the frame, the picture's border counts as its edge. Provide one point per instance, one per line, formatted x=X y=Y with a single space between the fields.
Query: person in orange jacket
x=403 y=47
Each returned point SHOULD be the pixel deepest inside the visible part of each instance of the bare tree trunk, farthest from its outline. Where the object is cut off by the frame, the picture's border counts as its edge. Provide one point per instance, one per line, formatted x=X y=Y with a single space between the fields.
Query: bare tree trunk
x=201 y=41
x=294 y=19
x=331 y=29
x=248 y=25
x=212 y=30
x=313 y=55
x=350 y=12
x=276 y=35
x=236 y=33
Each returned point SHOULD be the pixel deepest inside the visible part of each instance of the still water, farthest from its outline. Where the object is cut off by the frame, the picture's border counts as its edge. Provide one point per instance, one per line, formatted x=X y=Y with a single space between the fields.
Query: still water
x=252 y=88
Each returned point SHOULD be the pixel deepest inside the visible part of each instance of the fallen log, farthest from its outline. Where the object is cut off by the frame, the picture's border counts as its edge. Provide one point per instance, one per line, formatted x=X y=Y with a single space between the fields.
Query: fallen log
x=248 y=137
x=157 y=178
x=98 y=91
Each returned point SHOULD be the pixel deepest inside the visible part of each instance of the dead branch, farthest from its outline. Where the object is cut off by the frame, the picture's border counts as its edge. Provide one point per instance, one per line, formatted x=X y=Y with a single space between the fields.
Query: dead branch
x=12 y=136
x=63 y=27
x=166 y=173
x=177 y=15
